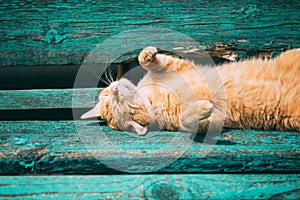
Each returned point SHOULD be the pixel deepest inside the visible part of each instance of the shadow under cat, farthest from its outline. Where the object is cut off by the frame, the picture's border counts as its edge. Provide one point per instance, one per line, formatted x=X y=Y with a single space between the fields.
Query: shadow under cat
x=198 y=138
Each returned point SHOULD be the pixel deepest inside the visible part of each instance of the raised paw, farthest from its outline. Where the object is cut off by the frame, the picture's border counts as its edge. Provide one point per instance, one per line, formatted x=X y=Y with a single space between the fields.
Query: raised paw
x=147 y=56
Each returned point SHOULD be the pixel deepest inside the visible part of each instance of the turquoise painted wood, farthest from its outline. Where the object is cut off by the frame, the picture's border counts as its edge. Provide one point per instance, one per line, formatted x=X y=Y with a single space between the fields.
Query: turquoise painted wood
x=46 y=33
x=77 y=147
x=39 y=33
x=154 y=187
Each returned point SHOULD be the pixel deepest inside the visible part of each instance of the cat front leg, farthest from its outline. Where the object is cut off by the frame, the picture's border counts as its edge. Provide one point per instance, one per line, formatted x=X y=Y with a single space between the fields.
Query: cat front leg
x=147 y=57
x=152 y=61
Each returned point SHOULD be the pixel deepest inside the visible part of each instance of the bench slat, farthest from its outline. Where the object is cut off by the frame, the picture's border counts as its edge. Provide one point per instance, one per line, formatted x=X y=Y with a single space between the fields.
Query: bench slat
x=48 y=98
x=220 y=186
x=66 y=36
x=72 y=147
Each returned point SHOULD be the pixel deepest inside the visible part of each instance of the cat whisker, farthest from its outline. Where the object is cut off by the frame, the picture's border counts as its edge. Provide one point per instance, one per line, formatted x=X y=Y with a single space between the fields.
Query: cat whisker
x=110 y=75
x=104 y=81
x=99 y=78
x=107 y=78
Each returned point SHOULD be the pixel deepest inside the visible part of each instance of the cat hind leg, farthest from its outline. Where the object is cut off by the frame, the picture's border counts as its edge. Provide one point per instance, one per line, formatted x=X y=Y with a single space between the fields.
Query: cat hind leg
x=289 y=60
x=195 y=116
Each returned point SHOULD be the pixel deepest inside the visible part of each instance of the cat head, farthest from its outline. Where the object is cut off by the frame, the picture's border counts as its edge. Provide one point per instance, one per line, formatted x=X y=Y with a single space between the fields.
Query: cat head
x=122 y=107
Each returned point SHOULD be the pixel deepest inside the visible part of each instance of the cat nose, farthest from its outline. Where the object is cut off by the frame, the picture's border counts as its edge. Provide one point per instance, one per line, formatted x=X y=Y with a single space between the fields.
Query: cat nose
x=114 y=86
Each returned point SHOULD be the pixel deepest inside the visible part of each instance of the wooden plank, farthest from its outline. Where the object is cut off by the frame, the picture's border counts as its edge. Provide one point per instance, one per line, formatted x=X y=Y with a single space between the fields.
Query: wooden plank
x=48 y=98
x=83 y=147
x=47 y=33
x=200 y=186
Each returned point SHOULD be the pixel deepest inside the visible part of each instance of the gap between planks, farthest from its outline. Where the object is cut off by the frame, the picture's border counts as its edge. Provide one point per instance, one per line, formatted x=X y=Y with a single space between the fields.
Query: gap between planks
x=48 y=98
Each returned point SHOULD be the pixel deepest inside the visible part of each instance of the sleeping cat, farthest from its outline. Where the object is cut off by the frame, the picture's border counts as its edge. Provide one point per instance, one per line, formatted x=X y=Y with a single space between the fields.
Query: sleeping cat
x=178 y=95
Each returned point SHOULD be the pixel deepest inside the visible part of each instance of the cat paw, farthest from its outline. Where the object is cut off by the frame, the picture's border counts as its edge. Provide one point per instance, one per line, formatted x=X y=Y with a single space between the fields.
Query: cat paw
x=147 y=56
x=205 y=109
x=196 y=113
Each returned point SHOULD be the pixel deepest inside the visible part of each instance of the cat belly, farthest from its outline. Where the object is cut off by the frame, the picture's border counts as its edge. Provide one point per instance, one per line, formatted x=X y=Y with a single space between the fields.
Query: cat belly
x=263 y=94
x=265 y=105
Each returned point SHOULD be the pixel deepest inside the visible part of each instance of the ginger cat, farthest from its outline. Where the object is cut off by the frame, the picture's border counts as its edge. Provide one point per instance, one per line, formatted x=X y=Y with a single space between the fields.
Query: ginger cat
x=177 y=95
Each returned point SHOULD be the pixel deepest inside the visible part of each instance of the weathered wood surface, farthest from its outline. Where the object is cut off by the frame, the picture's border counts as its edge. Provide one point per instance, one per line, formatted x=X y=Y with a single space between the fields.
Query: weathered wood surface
x=77 y=147
x=154 y=187
x=45 y=33
x=48 y=98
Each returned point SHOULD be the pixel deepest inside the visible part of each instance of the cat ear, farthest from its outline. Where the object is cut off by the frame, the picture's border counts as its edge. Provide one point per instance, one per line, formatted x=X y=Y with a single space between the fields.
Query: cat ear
x=139 y=129
x=95 y=112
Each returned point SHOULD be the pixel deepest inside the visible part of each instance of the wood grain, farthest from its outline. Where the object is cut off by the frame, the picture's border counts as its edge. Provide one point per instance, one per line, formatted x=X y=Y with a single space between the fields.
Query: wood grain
x=159 y=187
x=84 y=147
x=39 y=33
x=49 y=33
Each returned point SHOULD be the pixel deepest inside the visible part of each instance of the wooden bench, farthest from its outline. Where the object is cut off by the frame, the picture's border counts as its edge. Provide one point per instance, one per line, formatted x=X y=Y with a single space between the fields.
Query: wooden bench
x=242 y=163
x=45 y=153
